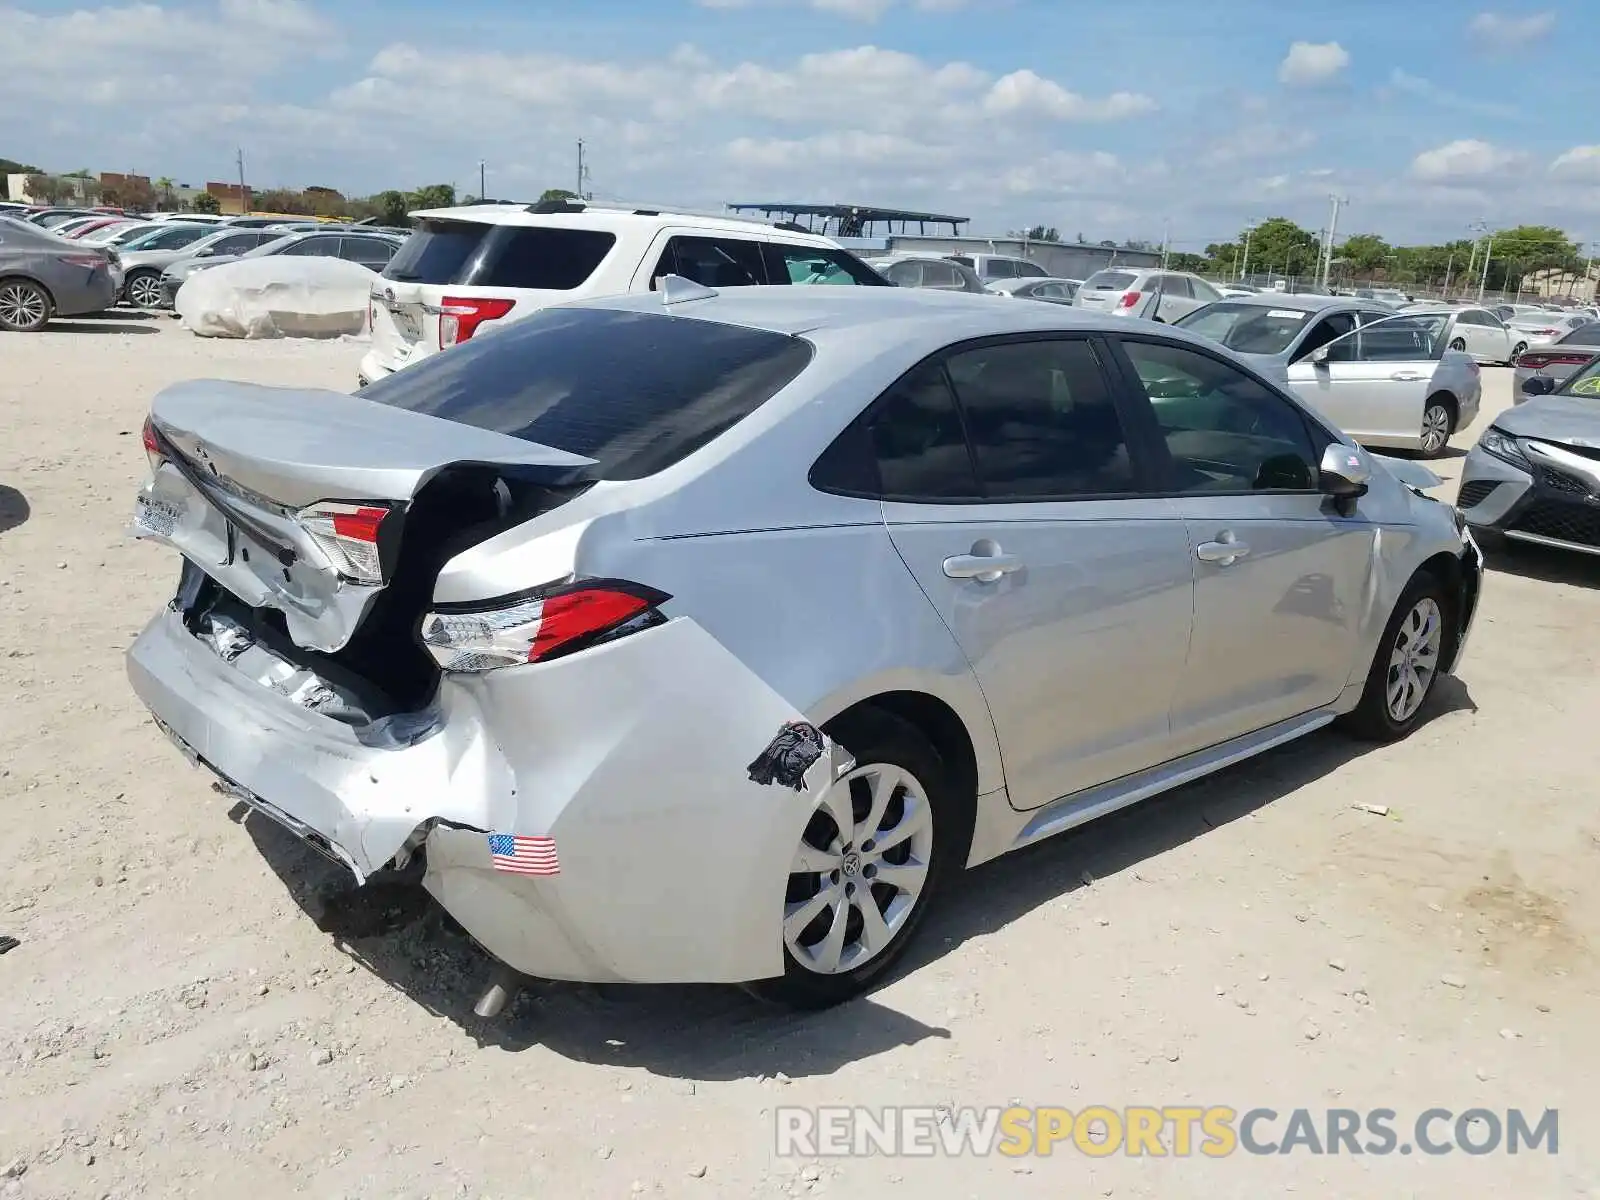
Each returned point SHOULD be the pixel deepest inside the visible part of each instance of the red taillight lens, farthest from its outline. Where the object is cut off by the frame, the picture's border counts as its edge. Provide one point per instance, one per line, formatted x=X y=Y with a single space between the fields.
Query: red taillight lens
x=546 y=625
x=82 y=260
x=463 y=314
x=1536 y=360
x=348 y=535
x=1129 y=299
x=152 y=445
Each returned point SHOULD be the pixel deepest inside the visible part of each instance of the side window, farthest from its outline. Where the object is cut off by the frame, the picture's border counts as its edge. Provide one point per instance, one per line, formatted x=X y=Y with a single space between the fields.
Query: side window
x=1204 y=291
x=369 y=252
x=999 y=268
x=919 y=443
x=237 y=244
x=1324 y=331
x=1028 y=270
x=714 y=262
x=905 y=274
x=1224 y=431
x=963 y=259
x=1468 y=318
x=315 y=247
x=1052 y=291
x=941 y=276
x=1042 y=421
x=1175 y=285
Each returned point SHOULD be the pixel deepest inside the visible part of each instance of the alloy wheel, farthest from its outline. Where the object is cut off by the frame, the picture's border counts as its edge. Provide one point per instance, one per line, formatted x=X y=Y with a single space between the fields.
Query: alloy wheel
x=1458 y=344
x=860 y=869
x=1435 y=428
x=145 y=291
x=22 y=305
x=1414 y=659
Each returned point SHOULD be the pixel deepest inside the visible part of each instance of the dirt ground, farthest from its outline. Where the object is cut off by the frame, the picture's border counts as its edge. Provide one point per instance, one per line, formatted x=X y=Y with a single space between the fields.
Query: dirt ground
x=200 y=1008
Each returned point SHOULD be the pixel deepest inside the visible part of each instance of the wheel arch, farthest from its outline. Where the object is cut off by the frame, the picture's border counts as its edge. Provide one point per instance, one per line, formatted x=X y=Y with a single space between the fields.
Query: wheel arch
x=8 y=276
x=1451 y=402
x=1461 y=582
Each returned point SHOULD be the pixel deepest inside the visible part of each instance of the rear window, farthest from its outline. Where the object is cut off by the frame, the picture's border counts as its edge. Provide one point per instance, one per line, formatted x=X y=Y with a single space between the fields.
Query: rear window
x=1110 y=281
x=1583 y=335
x=636 y=391
x=473 y=254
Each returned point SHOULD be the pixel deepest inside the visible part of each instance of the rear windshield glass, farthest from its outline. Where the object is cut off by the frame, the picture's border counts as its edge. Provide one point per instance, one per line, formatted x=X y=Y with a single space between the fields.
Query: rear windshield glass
x=516 y=256
x=636 y=391
x=1247 y=328
x=1110 y=280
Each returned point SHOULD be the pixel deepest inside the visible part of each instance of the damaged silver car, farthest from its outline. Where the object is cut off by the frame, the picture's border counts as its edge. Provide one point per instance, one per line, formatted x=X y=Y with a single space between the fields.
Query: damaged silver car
x=706 y=637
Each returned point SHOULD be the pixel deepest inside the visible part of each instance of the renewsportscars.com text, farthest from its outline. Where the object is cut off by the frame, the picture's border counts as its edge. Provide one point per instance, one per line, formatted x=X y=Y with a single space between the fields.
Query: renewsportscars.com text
x=1158 y=1132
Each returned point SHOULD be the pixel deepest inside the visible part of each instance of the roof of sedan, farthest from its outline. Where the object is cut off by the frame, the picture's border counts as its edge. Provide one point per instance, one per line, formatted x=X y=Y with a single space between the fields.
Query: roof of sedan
x=943 y=316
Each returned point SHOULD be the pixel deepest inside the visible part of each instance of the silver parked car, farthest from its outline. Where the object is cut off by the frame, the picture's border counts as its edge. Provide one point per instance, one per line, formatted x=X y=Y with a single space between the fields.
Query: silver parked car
x=44 y=276
x=371 y=250
x=1138 y=292
x=1387 y=380
x=1554 y=363
x=926 y=271
x=142 y=267
x=700 y=636
x=1534 y=475
x=1533 y=331
x=1052 y=291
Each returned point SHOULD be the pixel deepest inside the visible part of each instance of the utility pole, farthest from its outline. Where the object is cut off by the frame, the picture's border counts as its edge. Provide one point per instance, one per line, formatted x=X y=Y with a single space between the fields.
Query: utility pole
x=1244 y=265
x=244 y=192
x=1483 y=280
x=1333 y=233
x=1588 y=268
x=583 y=172
x=483 y=188
x=1449 y=266
x=1166 y=242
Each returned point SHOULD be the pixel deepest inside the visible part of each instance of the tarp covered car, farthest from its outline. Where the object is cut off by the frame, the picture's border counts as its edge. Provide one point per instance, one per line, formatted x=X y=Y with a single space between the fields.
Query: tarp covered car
x=278 y=296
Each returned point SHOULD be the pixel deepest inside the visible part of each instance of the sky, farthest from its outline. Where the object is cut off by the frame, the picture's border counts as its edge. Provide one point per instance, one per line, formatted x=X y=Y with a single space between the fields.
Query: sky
x=1138 y=119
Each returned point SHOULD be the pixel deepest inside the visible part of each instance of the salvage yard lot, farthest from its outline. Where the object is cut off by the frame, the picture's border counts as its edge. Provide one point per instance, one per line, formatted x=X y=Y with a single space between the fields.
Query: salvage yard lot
x=199 y=1007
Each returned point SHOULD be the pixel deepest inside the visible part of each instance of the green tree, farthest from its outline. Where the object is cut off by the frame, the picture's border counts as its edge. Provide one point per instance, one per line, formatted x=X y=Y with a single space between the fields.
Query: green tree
x=205 y=202
x=1363 y=252
x=393 y=206
x=1280 y=246
x=1194 y=263
x=557 y=194
x=434 y=195
x=1042 y=233
x=49 y=189
x=10 y=166
x=164 y=186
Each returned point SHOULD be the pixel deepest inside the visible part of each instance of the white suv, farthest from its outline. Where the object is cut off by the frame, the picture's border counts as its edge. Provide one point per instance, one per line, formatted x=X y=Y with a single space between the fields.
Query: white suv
x=489 y=262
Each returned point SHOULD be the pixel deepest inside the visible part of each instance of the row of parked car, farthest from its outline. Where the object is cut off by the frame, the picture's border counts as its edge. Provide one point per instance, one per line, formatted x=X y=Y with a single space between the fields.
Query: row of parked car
x=68 y=262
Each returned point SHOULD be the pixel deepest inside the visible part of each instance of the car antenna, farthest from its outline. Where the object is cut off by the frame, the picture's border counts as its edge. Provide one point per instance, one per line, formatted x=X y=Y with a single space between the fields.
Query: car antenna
x=675 y=289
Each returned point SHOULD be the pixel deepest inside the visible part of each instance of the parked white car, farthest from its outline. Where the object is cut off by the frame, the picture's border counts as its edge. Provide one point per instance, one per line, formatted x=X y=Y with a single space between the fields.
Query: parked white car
x=1478 y=332
x=1139 y=292
x=463 y=267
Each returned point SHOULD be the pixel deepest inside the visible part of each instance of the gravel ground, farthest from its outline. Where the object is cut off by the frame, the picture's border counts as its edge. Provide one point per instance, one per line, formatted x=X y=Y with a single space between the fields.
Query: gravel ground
x=200 y=1008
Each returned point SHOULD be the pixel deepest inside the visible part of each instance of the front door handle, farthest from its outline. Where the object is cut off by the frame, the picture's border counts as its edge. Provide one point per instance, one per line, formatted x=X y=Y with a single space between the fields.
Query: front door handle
x=985 y=568
x=1225 y=551
x=1406 y=377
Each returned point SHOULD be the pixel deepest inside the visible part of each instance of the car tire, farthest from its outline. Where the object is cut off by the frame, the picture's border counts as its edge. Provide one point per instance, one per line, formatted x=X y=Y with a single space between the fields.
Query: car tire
x=1378 y=717
x=1438 y=423
x=1458 y=344
x=25 y=306
x=879 y=742
x=1517 y=352
x=142 y=289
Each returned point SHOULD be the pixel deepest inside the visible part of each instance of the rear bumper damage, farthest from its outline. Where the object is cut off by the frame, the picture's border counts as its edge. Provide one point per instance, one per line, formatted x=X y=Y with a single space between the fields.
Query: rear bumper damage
x=633 y=757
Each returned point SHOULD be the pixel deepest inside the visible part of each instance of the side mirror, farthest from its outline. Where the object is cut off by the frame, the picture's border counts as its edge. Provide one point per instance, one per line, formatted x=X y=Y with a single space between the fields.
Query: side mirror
x=1343 y=473
x=1538 y=385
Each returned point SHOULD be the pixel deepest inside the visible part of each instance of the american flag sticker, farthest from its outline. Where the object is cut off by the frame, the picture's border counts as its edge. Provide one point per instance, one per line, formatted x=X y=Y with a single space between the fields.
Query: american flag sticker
x=522 y=854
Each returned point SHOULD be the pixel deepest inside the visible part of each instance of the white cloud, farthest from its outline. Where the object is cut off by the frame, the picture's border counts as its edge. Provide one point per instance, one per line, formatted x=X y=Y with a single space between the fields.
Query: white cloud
x=1310 y=63
x=1255 y=142
x=1023 y=92
x=1501 y=32
x=858 y=10
x=1467 y=159
x=1444 y=98
x=1581 y=162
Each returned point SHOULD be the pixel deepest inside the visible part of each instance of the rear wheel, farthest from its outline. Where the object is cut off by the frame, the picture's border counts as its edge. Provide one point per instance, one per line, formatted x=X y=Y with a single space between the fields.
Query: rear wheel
x=1518 y=350
x=1438 y=421
x=24 y=306
x=143 y=289
x=868 y=863
x=1459 y=344
x=1406 y=665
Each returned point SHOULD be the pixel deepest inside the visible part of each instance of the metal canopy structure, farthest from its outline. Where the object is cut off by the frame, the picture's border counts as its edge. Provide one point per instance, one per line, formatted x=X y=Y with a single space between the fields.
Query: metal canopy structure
x=851 y=220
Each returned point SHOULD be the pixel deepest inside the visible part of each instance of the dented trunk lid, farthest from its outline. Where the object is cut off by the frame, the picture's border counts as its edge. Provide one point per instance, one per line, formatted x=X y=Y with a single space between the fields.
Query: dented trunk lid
x=236 y=465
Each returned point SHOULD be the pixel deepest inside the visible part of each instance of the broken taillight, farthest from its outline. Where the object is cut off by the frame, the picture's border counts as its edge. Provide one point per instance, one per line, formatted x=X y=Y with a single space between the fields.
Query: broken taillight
x=348 y=535
x=152 y=444
x=461 y=316
x=541 y=625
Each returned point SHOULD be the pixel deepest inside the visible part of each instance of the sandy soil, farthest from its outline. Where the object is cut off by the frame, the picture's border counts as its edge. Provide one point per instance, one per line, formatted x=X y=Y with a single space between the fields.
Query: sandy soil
x=199 y=1008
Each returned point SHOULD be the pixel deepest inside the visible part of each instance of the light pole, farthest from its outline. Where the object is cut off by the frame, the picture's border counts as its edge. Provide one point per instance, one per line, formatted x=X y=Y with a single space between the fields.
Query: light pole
x=1333 y=232
x=1483 y=280
x=483 y=191
x=1244 y=264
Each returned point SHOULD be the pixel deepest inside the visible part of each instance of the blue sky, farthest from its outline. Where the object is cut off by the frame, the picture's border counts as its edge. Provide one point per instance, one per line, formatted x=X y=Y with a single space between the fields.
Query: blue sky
x=1114 y=120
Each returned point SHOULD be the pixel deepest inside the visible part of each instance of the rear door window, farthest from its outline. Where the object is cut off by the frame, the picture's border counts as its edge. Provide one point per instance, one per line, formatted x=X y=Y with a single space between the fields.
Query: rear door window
x=1028 y=270
x=712 y=262
x=368 y=251
x=999 y=268
x=635 y=391
x=236 y=243
x=314 y=247
x=816 y=264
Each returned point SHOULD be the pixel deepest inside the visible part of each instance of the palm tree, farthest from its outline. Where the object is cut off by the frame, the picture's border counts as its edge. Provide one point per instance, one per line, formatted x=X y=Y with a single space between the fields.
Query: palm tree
x=164 y=185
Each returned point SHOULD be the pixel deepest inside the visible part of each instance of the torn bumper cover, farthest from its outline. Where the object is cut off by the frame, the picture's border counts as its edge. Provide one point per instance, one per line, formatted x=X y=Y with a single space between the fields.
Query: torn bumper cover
x=636 y=758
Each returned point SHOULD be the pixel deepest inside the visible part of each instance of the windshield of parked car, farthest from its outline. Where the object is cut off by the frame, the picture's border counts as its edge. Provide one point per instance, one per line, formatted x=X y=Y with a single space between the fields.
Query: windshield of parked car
x=1246 y=327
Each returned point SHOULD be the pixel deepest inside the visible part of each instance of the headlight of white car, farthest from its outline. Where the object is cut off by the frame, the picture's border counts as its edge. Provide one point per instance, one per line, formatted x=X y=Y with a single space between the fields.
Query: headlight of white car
x=1503 y=445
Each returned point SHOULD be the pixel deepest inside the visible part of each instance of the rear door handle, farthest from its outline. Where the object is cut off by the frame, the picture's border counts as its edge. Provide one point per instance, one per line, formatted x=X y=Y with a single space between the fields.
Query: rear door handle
x=1223 y=553
x=985 y=568
x=1406 y=377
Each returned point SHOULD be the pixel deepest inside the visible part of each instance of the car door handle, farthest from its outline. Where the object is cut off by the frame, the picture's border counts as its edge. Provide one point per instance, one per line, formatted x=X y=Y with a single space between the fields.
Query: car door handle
x=1406 y=377
x=985 y=568
x=1224 y=553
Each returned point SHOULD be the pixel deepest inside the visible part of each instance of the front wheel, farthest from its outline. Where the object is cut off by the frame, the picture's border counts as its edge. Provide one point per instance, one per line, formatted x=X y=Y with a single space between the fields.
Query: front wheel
x=1518 y=351
x=1458 y=344
x=143 y=289
x=1437 y=419
x=1406 y=665
x=867 y=865
x=24 y=306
